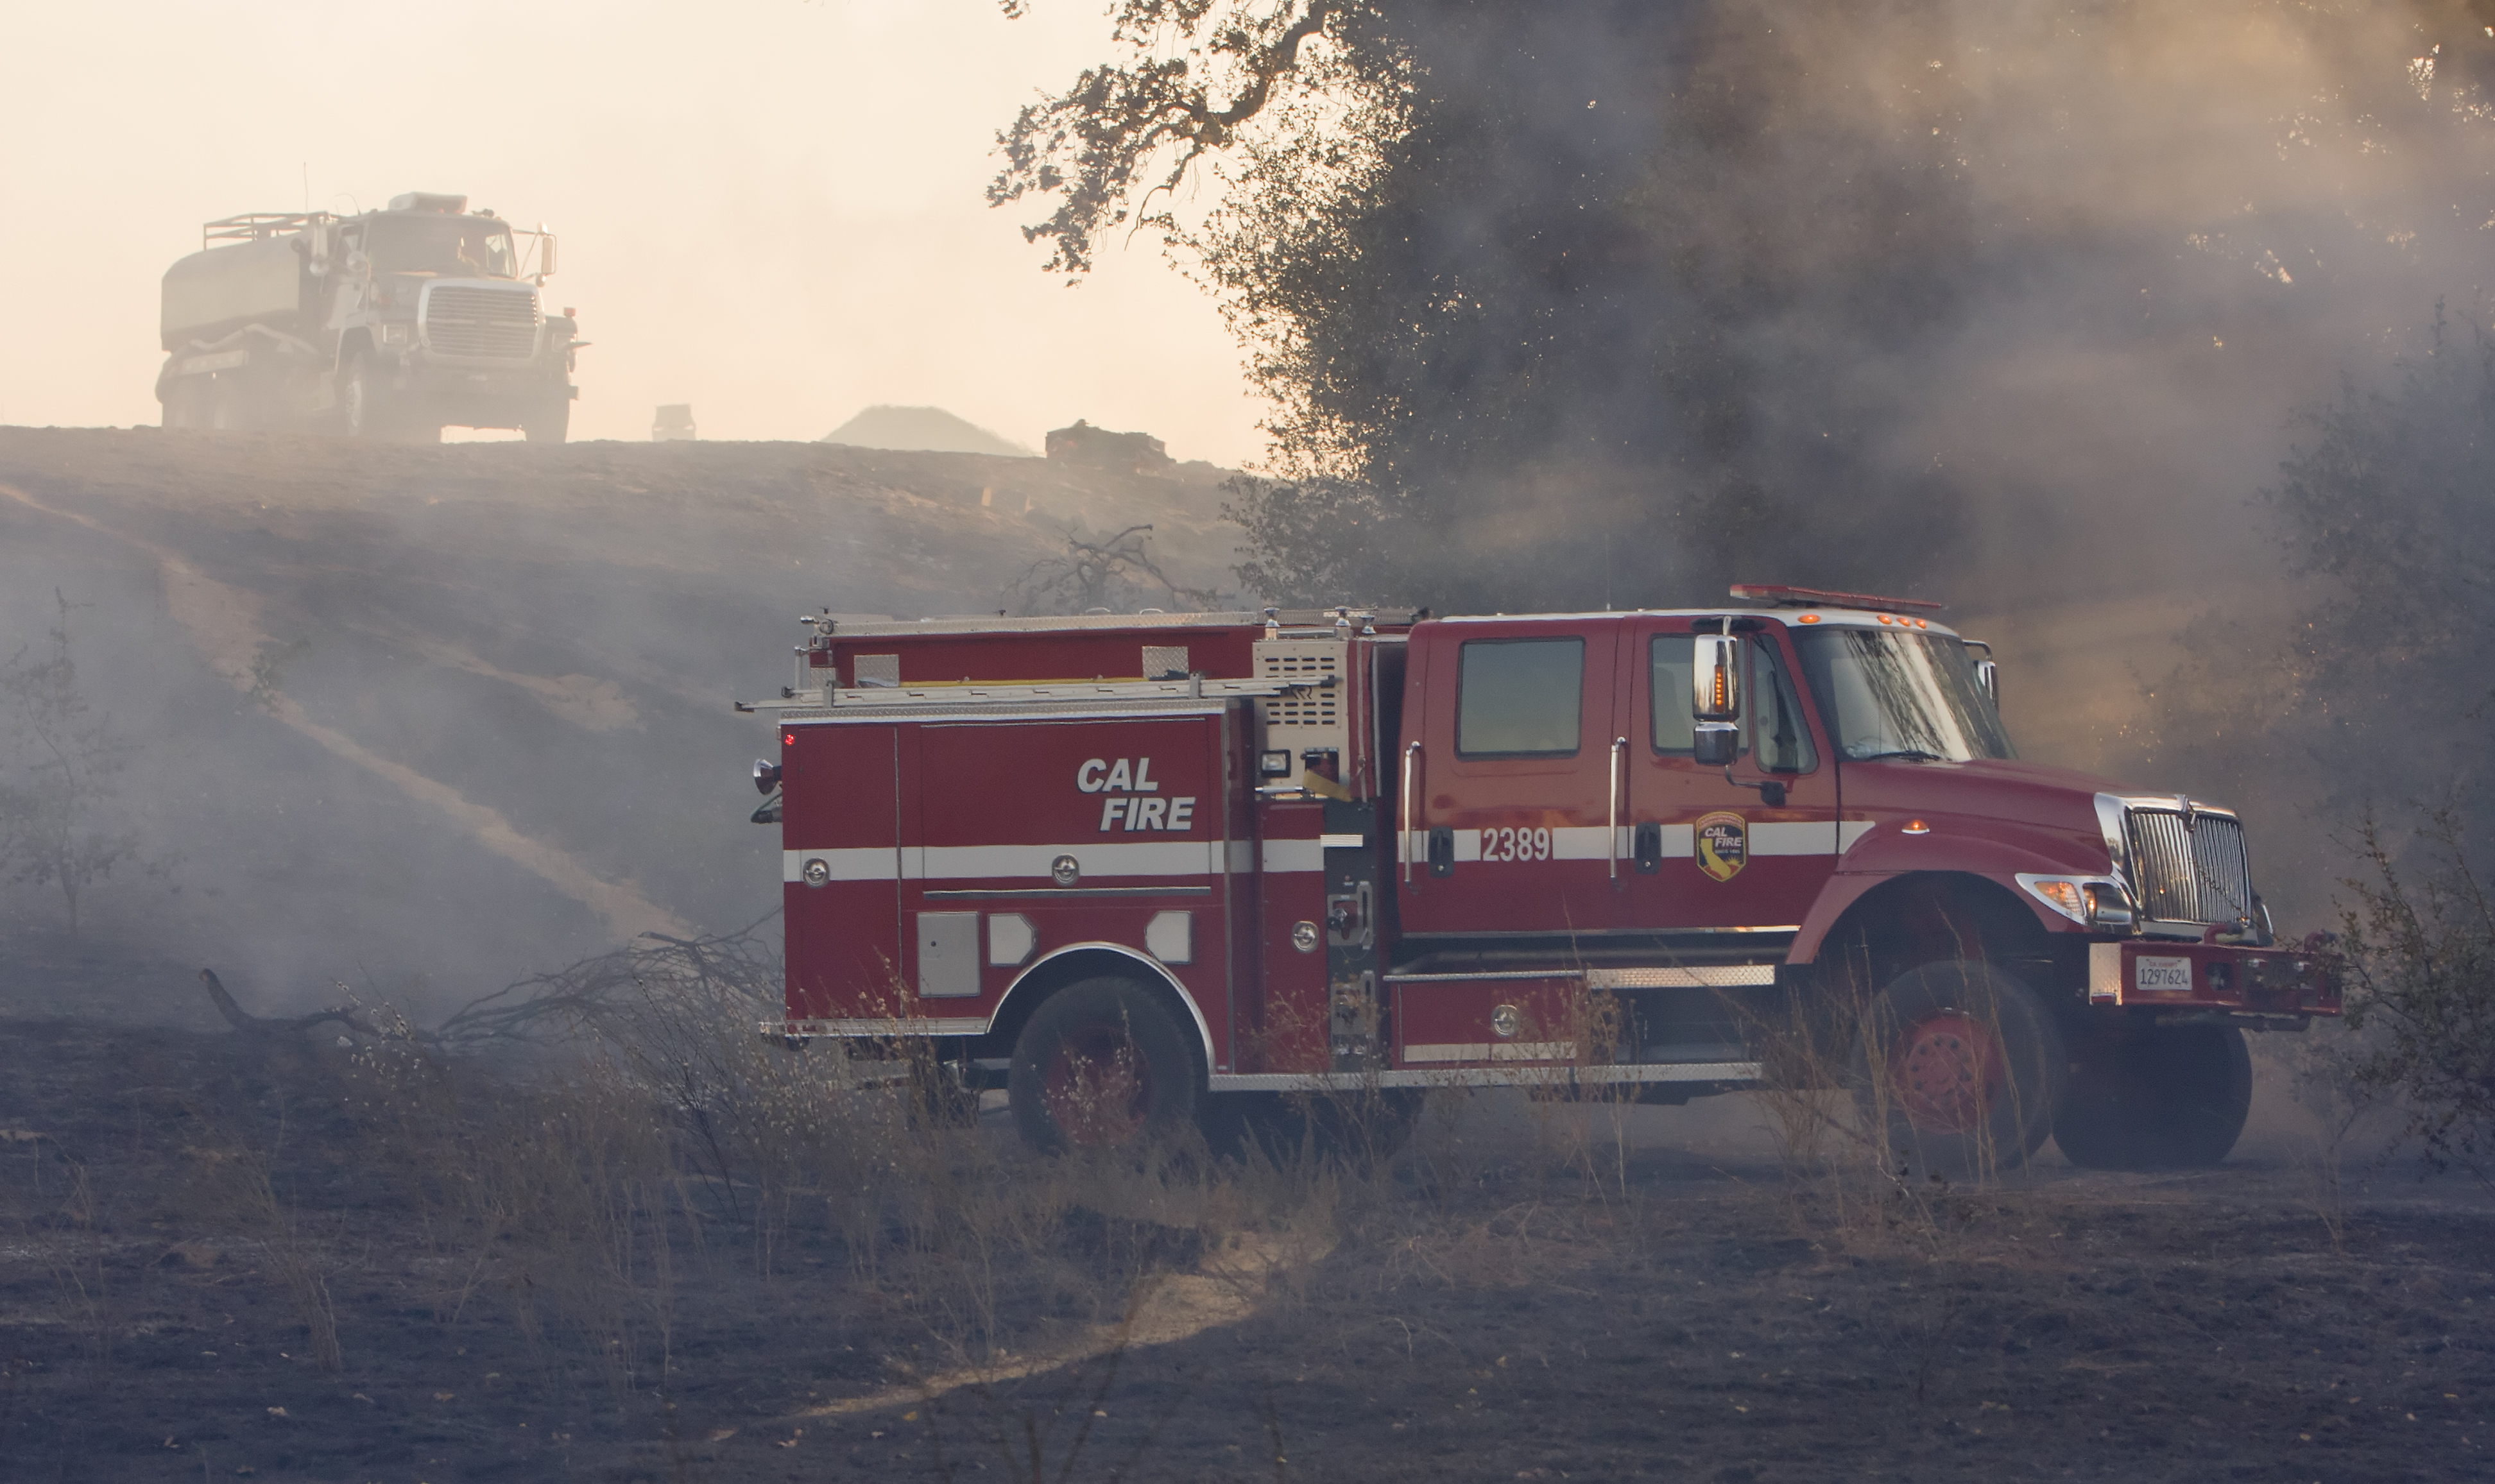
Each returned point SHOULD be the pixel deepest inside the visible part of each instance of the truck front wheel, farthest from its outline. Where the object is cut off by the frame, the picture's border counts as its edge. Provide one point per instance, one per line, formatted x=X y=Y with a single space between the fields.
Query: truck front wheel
x=361 y=401
x=1100 y=1065
x=1963 y=1065
x=550 y=423
x=2158 y=1097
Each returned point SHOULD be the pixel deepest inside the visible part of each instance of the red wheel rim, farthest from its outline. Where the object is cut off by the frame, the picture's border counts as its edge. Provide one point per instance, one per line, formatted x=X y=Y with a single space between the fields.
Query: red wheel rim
x=1098 y=1088
x=1946 y=1070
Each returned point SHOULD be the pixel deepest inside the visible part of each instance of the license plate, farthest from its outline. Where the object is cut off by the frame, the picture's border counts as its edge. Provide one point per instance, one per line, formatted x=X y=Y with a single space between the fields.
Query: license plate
x=2162 y=975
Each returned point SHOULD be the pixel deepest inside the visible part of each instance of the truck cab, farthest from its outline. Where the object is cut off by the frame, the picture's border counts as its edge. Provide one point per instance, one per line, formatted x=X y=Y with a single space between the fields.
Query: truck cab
x=1655 y=854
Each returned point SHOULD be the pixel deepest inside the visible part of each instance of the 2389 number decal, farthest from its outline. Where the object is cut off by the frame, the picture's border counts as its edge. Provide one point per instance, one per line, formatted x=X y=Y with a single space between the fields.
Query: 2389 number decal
x=1516 y=844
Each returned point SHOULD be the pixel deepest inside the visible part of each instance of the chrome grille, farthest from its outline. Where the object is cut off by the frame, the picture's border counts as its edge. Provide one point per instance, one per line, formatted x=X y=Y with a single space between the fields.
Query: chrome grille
x=2189 y=871
x=488 y=324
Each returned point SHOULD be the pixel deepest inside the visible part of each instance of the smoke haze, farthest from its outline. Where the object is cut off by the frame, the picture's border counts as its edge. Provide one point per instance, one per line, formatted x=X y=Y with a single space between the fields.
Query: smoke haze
x=769 y=210
x=2009 y=304
x=1978 y=300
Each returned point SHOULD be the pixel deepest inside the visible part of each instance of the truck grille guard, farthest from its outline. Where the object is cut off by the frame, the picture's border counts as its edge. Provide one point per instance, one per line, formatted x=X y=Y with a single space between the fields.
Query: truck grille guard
x=2183 y=863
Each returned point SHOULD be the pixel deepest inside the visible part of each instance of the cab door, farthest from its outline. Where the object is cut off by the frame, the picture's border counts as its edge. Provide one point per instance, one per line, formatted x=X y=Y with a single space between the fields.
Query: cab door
x=1509 y=744
x=1712 y=852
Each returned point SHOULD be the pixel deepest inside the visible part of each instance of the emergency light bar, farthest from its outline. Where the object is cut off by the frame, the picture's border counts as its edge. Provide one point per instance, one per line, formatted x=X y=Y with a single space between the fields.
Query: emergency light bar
x=1813 y=598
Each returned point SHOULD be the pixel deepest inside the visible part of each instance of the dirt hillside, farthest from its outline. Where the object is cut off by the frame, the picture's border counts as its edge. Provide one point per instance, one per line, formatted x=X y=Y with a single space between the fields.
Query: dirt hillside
x=455 y=713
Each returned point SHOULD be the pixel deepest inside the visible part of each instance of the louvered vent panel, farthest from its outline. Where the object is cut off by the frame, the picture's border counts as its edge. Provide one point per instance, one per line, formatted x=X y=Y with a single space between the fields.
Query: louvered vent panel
x=1310 y=664
x=1314 y=717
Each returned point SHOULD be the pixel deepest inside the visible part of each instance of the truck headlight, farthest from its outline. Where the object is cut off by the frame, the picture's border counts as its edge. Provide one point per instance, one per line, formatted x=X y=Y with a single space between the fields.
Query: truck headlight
x=2109 y=906
x=2062 y=896
x=2090 y=902
x=396 y=333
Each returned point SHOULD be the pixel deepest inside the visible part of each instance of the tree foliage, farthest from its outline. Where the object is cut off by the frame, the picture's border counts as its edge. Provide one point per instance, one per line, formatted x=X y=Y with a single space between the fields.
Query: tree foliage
x=2419 y=945
x=1604 y=298
x=1500 y=273
x=2390 y=506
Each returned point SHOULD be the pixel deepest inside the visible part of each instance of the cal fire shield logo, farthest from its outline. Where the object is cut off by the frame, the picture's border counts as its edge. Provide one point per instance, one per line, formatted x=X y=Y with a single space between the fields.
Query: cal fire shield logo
x=1723 y=845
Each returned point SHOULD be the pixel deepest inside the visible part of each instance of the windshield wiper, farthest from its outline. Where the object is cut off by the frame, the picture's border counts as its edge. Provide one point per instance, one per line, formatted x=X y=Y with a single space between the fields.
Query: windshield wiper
x=1911 y=753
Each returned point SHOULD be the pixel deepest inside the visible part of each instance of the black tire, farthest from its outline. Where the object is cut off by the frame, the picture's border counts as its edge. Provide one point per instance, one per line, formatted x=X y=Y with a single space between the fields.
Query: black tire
x=552 y=424
x=363 y=402
x=2157 y=1097
x=229 y=405
x=1101 y=1064
x=184 y=405
x=1965 y=1067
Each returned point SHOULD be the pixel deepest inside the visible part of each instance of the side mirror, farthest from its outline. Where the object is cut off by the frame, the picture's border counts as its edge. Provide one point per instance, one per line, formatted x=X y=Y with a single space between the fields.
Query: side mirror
x=315 y=237
x=1715 y=743
x=546 y=256
x=1716 y=679
x=1988 y=676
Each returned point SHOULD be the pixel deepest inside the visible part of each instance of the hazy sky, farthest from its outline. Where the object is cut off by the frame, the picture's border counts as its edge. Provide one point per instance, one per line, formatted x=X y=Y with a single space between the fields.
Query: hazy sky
x=767 y=209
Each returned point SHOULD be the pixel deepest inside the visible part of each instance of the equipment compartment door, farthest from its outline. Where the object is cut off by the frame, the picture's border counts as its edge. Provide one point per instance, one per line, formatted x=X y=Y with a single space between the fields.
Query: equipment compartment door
x=1711 y=852
x=841 y=869
x=1509 y=831
x=1057 y=833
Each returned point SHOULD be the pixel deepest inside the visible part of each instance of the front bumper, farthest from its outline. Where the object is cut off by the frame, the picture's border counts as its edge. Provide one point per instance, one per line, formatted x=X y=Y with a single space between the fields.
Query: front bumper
x=2184 y=975
x=427 y=376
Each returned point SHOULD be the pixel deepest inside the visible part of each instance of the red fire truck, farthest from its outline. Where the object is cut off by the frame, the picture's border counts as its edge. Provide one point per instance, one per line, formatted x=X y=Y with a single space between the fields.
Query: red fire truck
x=1142 y=870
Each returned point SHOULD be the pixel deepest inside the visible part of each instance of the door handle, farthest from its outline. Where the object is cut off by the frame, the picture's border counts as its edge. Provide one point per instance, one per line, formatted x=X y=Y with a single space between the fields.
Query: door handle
x=1442 y=851
x=1612 y=824
x=1411 y=822
x=1649 y=849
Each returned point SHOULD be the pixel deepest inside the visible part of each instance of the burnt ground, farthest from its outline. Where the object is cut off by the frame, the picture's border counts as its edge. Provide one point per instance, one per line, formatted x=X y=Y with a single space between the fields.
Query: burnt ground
x=1519 y=1295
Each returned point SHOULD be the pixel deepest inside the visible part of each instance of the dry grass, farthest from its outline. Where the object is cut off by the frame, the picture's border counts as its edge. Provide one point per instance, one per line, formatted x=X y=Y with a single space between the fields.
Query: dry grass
x=615 y=1167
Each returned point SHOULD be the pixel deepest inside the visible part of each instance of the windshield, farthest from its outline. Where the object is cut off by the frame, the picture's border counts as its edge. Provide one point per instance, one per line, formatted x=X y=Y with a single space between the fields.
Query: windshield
x=1889 y=695
x=455 y=246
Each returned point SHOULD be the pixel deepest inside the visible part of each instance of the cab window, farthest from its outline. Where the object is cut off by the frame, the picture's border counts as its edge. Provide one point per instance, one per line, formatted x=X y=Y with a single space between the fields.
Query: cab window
x=1773 y=729
x=1520 y=697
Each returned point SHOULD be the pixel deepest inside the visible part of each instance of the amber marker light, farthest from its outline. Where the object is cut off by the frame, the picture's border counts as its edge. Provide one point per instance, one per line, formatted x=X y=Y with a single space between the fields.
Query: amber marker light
x=1915 y=827
x=2062 y=894
x=1810 y=618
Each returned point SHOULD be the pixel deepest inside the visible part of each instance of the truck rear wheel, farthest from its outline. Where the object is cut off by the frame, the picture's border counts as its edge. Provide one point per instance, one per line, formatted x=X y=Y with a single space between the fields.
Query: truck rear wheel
x=1100 y=1065
x=1963 y=1065
x=231 y=404
x=185 y=404
x=2160 y=1098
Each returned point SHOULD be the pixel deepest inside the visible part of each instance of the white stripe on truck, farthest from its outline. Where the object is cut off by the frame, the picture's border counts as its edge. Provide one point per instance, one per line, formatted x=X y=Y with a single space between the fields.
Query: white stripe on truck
x=988 y=863
x=1584 y=842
